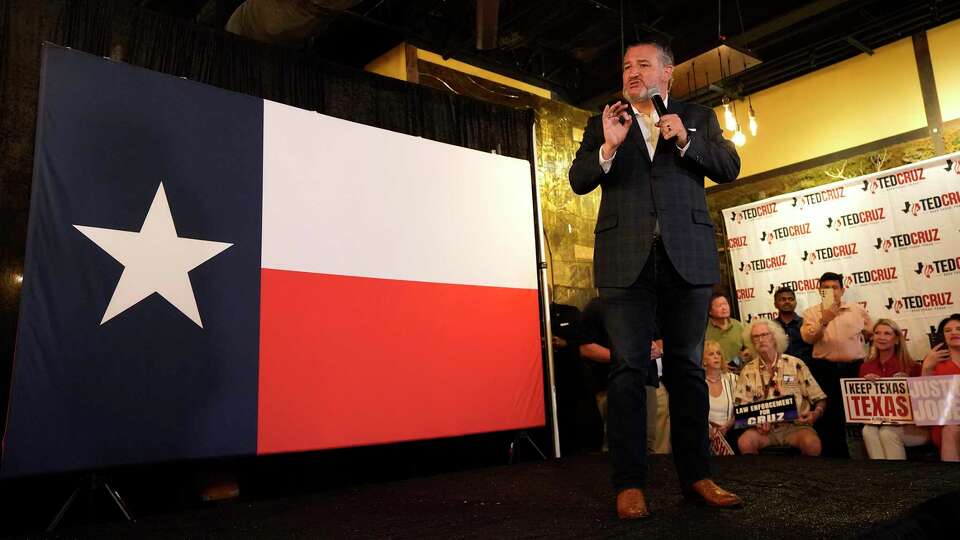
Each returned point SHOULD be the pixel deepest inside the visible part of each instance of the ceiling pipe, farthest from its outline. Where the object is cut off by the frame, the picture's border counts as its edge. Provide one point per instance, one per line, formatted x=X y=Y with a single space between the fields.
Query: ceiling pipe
x=488 y=12
x=285 y=22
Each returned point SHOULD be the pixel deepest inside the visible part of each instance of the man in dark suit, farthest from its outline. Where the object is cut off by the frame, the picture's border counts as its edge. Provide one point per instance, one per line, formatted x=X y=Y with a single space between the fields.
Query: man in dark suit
x=655 y=260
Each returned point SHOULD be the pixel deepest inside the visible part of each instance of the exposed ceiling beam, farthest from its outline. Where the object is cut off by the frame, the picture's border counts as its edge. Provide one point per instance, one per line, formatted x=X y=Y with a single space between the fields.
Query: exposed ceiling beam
x=858 y=45
x=783 y=22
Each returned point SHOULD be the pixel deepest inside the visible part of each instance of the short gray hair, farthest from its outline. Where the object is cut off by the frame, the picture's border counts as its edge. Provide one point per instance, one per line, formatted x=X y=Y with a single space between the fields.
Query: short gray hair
x=664 y=52
x=779 y=336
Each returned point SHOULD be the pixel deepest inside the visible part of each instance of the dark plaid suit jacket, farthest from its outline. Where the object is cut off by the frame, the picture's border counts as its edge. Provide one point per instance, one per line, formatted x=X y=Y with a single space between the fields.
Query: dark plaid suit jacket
x=637 y=190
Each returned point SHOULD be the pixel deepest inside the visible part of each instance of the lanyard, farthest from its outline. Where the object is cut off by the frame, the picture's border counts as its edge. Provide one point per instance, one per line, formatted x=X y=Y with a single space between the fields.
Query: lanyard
x=772 y=382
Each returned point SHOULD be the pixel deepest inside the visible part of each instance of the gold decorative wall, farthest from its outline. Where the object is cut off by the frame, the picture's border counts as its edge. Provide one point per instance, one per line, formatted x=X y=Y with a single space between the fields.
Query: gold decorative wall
x=568 y=219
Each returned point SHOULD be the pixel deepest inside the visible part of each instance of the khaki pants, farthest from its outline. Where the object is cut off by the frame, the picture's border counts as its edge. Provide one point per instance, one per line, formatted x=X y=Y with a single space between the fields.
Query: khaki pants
x=661 y=431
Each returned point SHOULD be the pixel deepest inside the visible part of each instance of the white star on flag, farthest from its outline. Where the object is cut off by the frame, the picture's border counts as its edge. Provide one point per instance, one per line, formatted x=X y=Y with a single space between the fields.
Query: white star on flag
x=155 y=260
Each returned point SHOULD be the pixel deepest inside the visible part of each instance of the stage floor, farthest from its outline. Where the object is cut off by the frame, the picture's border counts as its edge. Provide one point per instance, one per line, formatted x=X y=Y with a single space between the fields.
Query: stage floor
x=786 y=497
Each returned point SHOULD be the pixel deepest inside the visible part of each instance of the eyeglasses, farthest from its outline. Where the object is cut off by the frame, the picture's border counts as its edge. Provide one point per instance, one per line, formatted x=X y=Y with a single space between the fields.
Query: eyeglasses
x=758 y=336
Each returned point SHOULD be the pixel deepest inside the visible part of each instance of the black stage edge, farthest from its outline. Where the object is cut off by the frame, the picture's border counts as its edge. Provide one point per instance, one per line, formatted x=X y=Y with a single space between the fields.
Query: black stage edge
x=786 y=497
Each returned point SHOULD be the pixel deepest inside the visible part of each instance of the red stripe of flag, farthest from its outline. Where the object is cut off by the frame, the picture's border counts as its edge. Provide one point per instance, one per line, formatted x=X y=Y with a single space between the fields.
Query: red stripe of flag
x=347 y=361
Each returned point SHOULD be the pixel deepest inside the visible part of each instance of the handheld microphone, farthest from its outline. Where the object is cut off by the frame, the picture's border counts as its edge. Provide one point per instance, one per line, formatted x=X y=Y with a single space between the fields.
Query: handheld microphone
x=654 y=95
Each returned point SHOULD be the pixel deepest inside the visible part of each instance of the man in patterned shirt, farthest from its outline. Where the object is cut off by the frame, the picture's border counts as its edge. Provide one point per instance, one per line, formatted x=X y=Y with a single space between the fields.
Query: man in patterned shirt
x=774 y=374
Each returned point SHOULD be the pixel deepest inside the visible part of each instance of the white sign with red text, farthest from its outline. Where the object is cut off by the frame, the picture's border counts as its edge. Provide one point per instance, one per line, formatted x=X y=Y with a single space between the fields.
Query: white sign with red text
x=893 y=235
x=881 y=401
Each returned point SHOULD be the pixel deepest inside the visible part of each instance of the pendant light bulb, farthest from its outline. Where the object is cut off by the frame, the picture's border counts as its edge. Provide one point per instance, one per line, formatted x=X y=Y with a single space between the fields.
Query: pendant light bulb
x=739 y=138
x=728 y=119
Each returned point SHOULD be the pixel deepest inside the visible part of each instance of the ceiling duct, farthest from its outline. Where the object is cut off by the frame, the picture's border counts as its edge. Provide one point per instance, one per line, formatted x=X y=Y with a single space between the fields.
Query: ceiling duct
x=488 y=12
x=285 y=22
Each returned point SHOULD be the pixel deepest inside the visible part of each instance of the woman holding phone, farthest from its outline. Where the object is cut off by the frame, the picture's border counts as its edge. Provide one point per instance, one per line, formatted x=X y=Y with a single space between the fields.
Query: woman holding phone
x=944 y=359
x=889 y=358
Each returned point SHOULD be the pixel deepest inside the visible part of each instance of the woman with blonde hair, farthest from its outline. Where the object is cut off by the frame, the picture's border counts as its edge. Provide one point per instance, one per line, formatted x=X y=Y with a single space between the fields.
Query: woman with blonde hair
x=720 y=383
x=889 y=358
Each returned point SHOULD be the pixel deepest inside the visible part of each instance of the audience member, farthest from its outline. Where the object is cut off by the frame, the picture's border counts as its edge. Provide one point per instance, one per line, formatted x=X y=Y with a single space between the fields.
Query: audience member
x=785 y=301
x=658 y=423
x=837 y=330
x=723 y=329
x=579 y=422
x=889 y=358
x=595 y=350
x=721 y=384
x=944 y=359
x=774 y=374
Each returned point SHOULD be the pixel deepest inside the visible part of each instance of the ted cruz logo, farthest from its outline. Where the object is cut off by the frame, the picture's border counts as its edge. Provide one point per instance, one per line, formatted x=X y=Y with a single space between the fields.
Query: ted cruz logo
x=737 y=242
x=938 y=267
x=920 y=302
x=872 y=276
x=830 y=252
x=864 y=217
x=753 y=212
x=769 y=263
x=936 y=203
x=770 y=315
x=781 y=233
x=745 y=294
x=894 y=181
x=908 y=240
x=818 y=197
x=798 y=286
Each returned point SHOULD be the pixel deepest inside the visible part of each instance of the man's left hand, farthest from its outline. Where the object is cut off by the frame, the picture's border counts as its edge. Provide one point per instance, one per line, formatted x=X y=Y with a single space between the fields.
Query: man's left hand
x=809 y=417
x=671 y=126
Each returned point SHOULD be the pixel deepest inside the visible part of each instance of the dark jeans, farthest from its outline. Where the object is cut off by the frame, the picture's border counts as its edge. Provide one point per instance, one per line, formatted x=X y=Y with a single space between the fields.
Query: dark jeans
x=660 y=298
x=832 y=427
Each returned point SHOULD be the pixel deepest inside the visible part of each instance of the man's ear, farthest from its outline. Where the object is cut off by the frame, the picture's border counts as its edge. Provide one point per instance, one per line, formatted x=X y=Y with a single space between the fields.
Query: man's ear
x=668 y=72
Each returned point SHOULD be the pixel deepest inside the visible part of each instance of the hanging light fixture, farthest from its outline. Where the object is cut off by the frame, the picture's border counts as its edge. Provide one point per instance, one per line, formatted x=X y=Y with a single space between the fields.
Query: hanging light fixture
x=738 y=138
x=729 y=120
x=752 y=118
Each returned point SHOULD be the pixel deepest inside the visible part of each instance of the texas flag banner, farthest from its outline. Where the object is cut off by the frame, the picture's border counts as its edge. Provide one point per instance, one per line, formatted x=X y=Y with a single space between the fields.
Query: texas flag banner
x=210 y=274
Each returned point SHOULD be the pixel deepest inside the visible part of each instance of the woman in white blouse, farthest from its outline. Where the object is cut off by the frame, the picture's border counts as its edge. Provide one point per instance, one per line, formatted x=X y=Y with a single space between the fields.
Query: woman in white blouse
x=721 y=383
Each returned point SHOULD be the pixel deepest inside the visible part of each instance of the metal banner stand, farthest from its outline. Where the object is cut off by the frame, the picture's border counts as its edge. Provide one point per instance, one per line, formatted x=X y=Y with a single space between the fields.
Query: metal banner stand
x=544 y=306
x=522 y=436
x=90 y=484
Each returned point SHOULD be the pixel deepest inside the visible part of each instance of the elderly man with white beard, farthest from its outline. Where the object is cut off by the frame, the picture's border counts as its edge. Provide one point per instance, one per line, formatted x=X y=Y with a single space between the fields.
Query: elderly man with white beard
x=774 y=374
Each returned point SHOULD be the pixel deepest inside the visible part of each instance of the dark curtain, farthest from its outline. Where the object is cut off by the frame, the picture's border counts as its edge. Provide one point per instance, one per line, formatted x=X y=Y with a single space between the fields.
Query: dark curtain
x=116 y=29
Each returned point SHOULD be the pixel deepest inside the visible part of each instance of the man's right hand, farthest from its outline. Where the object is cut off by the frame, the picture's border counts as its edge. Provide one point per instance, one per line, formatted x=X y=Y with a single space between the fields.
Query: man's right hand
x=614 y=132
x=828 y=315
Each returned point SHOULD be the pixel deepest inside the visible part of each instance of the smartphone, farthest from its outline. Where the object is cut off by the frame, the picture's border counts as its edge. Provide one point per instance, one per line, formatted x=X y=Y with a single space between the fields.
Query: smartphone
x=936 y=338
x=827 y=298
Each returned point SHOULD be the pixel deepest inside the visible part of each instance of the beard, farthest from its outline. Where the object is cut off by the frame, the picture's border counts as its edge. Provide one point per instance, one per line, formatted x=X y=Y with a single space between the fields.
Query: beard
x=639 y=94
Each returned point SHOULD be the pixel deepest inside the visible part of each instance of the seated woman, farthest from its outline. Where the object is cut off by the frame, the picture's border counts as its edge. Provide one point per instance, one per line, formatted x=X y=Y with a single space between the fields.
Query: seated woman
x=773 y=374
x=889 y=358
x=721 y=384
x=944 y=359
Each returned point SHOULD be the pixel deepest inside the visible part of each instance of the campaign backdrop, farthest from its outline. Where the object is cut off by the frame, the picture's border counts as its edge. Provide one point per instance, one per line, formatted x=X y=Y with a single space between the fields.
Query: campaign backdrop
x=211 y=274
x=894 y=235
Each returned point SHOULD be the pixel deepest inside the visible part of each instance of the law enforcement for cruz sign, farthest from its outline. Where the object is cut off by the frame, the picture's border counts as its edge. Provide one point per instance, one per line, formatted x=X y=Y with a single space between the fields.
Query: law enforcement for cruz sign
x=768 y=411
